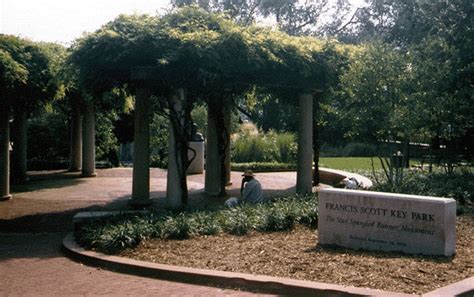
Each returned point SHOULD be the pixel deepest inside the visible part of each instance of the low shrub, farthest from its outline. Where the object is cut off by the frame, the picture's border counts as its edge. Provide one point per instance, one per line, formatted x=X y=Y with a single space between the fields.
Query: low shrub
x=205 y=223
x=176 y=227
x=459 y=186
x=263 y=166
x=126 y=231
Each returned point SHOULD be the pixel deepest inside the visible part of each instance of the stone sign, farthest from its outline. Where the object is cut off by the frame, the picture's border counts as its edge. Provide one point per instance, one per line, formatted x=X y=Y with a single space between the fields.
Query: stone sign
x=387 y=222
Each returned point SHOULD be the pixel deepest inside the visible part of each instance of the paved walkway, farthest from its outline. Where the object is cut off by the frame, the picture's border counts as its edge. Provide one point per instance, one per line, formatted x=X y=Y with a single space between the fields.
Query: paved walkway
x=34 y=222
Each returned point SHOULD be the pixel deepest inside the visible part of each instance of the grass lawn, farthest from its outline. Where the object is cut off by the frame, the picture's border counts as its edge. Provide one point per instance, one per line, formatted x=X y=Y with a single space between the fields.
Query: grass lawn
x=352 y=163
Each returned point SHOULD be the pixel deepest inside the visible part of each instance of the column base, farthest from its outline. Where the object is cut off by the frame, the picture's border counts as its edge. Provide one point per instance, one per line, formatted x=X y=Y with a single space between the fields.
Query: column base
x=5 y=198
x=140 y=203
x=89 y=174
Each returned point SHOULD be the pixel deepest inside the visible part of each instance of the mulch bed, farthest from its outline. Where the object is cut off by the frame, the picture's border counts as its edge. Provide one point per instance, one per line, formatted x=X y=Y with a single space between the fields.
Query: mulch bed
x=296 y=255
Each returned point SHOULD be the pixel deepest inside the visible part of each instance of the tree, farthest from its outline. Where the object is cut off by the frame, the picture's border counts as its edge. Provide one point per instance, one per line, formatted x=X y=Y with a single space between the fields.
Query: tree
x=39 y=87
x=12 y=74
x=291 y=16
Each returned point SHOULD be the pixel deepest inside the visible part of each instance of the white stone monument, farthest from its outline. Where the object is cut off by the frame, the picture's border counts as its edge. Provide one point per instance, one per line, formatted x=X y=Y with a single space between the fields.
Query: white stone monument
x=387 y=222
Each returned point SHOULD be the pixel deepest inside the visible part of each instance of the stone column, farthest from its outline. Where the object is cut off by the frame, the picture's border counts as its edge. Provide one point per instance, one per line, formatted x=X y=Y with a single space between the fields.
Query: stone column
x=212 y=174
x=75 y=156
x=88 y=141
x=19 y=154
x=4 y=154
x=174 y=190
x=304 y=179
x=141 y=152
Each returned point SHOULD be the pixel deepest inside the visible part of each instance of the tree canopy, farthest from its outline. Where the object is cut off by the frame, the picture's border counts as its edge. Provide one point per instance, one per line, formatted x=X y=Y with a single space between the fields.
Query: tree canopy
x=198 y=51
x=31 y=77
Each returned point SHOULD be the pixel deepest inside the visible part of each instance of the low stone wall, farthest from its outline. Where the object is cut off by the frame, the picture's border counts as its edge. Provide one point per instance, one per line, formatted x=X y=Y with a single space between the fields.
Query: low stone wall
x=334 y=177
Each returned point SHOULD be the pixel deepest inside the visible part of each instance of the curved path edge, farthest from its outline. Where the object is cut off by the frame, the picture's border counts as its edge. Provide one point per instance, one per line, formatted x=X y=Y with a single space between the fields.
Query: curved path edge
x=246 y=282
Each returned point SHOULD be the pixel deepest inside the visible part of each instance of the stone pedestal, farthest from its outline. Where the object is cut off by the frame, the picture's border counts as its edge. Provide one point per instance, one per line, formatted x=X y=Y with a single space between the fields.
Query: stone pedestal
x=304 y=179
x=4 y=154
x=141 y=153
x=197 y=165
x=88 y=140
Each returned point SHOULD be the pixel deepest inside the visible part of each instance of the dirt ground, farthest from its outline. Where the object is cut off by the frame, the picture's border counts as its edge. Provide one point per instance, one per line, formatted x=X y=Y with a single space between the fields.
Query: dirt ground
x=295 y=255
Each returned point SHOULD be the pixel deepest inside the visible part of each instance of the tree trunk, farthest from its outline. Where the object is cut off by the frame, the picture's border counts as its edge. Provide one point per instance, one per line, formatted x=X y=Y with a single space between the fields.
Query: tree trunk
x=75 y=157
x=4 y=153
x=88 y=141
x=304 y=179
x=141 y=152
x=19 y=154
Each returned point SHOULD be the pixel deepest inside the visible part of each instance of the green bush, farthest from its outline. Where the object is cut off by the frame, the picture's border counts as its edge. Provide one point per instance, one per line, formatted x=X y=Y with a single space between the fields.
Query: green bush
x=236 y=221
x=459 y=186
x=248 y=148
x=205 y=223
x=250 y=145
x=286 y=147
x=176 y=227
x=263 y=167
x=126 y=231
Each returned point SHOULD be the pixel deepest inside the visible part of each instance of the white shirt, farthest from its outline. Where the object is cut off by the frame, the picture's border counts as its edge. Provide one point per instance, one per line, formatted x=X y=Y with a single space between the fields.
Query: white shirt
x=252 y=192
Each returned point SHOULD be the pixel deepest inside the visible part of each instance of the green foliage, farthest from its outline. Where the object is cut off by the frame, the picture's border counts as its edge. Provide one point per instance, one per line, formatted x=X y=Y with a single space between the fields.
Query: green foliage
x=106 y=141
x=126 y=231
x=159 y=141
x=199 y=116
x=205 y=223
x=459 y=185
x=28 y=72
x=177 y=227
x=48 y=137
x=117 y=233
x=249 y=145
x=237 y=221
x=263 y=166
x=12 y=74
x=199 y=51
x=373 y=89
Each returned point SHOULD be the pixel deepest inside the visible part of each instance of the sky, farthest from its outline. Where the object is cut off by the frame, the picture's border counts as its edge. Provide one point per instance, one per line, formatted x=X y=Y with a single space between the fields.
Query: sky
x=64 y=20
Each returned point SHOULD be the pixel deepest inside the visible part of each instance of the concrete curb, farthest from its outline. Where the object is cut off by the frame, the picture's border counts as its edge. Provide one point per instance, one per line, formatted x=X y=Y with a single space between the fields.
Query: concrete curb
x=464 y=288
x=247 y=282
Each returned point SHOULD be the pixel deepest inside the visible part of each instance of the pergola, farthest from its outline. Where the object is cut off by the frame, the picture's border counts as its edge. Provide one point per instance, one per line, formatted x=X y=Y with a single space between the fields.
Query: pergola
x=179 y=59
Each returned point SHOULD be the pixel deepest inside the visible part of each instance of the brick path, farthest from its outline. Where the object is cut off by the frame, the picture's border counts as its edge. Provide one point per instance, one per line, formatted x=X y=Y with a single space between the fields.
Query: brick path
x=35 y=221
